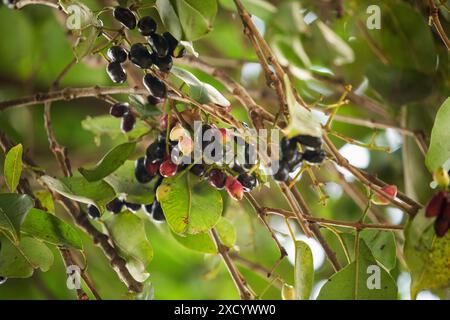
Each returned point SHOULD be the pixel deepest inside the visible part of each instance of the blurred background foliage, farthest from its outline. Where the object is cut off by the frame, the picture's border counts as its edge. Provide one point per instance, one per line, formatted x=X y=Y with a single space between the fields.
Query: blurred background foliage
x=403 y=66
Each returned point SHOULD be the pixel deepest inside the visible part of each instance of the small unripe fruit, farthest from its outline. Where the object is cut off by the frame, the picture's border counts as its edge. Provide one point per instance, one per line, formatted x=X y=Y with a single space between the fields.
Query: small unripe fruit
x=436 y=204
x=114 y=206
x=116 y=72
x=390 y=190
x=119 y=109
x=125 y=16
x=440 y=176
x=156 y=87
x=117 y=54
x=128 y=122
x=168 y=168
x=140 y=171
x=217 y=178
x=140 y=56
x=234 y=188
x=146 y=26
x=158 y=44
x=93 y=211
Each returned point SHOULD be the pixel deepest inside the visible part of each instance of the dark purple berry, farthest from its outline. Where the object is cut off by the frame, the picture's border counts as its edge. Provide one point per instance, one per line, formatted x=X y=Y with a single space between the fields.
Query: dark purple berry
x=314 y=156
x=133 y=207
x=154 y=100
x=117 y=54
x=171 y=41
x=441 y=226
x=308 y=141
x=140 y=172
x=282 y=174
x=156 y=152
x=164 y=63
x=128 y=122
x=140 y=56
x=114 y=206
x=198 y=169
x=217 y=178
x=116 y=72
x=159 y=45
x=249 y=182
x=125 y=16
x=155 y=86
x=93 y=211
x=119 y=109
x=146 y=26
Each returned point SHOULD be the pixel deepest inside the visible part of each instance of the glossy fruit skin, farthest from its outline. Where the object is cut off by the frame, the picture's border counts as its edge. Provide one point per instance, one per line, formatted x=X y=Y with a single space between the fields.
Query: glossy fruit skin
x=147 y=26
x=234 y=188
x=140 y=56
x=248 y=182
x=435 y=206
x=140 y=172
x=282 y=174
x=308 y=141
x=93 y=212
x=155 y=86
x=295 y=161
x=154 y=100
x=314 y=156
x=152 y=168
x=155 y=211
x=133 y=207
x=164 y=63
x=168 y=168
x=198 y=170
x=115 y=206
x=159 y=45
x=116 y=72
x=171 y=41
x=217 y=178
x=125 y=16
x=119 y=109
x=128 y=122
x=155 y=152
x=3 y=280
x=117 y=54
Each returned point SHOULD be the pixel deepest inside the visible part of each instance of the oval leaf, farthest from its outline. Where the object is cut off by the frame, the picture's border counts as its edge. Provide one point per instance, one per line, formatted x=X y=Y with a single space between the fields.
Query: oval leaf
x=189 y=204
x=13 y=210
x=13 y=167
x=49 y=228
x=110 y=162
x=196 y=17
x=304 y=271
x=169 y=18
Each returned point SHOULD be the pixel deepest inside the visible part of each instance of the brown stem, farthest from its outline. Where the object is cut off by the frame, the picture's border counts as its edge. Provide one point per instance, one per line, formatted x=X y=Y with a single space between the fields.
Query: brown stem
x=434 y=13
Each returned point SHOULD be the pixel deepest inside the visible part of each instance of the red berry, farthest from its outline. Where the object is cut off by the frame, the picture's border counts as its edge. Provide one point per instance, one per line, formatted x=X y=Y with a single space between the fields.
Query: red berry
x=435 y=206
x=441 y=226
x=152 y=168
x=119 y=109
x=164 y=120
x=390 y=190
x=168 y=168
x=217 y=178
x=234 y=188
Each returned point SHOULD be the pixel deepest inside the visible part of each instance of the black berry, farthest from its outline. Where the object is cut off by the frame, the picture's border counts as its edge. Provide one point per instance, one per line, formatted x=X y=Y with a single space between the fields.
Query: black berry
x=164 y=64
x=198 y=169
x=116 y=72
x=156 y=152
x=114 y=206
x=117 y=54
x=314 y=156
x=159 y=45
x=282 y=174
x=248 y=181
x=93 y=212
x=294 y=161
x=217 y=178
x=155 y=86
x=154 y=100
x=140 y=56
x=119 y=109
x=140 y=172
x=128 y=122
x=146 y=26
x=155 y=211
x=308 y=141
x=133 y=207
x=125 y=16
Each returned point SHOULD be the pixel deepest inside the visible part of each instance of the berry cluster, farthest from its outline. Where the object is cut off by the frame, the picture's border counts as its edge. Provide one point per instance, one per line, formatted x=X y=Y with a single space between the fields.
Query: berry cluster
x=291 y=157
x=122 y=110
x=439 y=208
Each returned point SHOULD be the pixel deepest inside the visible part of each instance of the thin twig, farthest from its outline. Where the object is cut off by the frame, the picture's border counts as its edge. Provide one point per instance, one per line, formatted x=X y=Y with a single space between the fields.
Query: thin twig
x=434 y=14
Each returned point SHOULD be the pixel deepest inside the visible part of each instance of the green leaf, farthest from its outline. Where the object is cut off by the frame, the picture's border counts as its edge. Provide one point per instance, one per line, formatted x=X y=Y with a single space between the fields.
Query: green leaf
x=202 y=242
x=169 y=18
x=439 y=150
x=13 y=167
x=128 y=234
x=196 y=17
x=110 y=162
x=21 y=260
x=49 y=228
x=304 y=271
x=382 y=245
x=97 y=193
x=260 y=8
x=45 y=199
x=302 y=120
x=426 y=255
x=110 y=126
x=13 y=210
x=354 y=282
x=124 y=182
x=200 y=91
x=189 y=204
